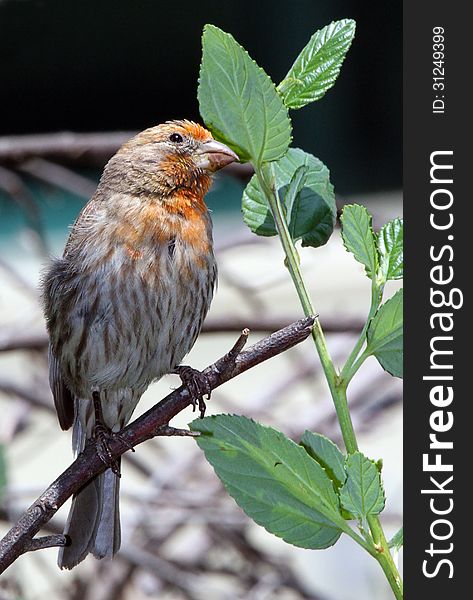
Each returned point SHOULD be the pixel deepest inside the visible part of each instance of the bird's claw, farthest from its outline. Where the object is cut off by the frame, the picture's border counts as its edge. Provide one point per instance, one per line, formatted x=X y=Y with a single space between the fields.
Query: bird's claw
x=103 y=436
x=197 y=384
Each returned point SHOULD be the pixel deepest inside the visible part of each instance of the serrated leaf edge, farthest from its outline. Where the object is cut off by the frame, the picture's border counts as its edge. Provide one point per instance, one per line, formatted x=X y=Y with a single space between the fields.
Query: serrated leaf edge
x=381 y=253
x=370 y=225
x=377 y=476
x=327 y=508
x=216 y=131
x=290 y=82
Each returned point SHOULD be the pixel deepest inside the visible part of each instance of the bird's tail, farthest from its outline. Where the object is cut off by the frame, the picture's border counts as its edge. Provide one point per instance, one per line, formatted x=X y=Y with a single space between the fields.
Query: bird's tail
x=93 y=524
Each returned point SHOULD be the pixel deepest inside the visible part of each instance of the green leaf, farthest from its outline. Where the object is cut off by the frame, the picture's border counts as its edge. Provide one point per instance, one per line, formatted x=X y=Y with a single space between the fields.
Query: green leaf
x=358 y=236
x=391 y=251
x=385 y=335
x=327 y=454
x=318 y=65
x=362 y=493
x=397 y=541
x=239 y=102
x=272 y=479
x=293 y=195
x=312 y=211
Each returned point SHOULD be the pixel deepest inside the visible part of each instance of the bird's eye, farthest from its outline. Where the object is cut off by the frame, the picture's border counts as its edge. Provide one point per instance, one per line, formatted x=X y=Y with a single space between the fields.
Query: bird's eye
x=176 y=138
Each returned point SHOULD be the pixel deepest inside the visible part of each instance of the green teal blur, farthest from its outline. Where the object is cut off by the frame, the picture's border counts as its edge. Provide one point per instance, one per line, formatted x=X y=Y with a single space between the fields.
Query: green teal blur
x=58 y=210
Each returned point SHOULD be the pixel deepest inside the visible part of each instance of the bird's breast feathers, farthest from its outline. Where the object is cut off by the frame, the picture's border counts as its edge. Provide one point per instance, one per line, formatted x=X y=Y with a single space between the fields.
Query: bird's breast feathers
x=133 y=233
x=140 y=279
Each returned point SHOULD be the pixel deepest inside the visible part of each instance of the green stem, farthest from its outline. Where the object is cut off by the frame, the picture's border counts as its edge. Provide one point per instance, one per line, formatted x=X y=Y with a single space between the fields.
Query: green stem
x=356 y=365
x=352 y=365
x=337 y=383
x=385 y=558
x=265 y=177
x=364 y=543
x=380 y=551
x=381 y=548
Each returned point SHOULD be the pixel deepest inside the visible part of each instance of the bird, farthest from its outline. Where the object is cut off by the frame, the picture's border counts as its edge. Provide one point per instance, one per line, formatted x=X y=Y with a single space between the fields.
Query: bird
x=126 y=302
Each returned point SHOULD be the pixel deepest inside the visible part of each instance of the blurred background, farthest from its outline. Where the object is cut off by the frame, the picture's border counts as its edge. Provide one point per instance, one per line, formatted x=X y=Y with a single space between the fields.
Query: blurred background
x=78 y=79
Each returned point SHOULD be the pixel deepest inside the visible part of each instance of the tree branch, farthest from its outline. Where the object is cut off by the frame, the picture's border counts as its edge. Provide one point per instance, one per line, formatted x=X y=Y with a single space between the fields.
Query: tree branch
x=88 y=464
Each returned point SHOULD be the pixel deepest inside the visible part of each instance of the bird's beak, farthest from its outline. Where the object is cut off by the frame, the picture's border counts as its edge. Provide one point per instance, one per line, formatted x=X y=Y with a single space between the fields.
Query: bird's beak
x=214 y=155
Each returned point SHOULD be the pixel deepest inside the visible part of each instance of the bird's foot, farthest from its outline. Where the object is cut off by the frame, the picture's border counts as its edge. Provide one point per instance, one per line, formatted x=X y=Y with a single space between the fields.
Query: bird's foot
x=103 y=436
x=198 y=385
x=167 y=430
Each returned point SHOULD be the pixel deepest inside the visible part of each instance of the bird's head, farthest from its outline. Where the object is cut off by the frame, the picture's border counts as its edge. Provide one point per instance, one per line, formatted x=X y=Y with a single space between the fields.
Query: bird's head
x=174 y=156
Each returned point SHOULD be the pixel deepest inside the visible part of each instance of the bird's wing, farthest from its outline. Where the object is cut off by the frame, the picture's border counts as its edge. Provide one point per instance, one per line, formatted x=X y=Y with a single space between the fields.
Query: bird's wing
x=63 y=398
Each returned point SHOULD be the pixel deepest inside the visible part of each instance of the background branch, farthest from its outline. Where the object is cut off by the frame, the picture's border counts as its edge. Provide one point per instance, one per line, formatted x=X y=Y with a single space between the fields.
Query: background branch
x=88 y=464
x=63 y=145
x=77 y=148
x=15 y=339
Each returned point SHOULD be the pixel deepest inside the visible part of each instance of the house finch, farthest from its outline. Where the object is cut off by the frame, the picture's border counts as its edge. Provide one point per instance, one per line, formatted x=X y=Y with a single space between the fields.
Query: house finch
x=127 y=300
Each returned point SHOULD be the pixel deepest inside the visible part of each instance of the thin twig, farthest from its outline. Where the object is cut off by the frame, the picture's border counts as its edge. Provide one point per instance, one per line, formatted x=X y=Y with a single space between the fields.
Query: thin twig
x=65 y=145
x=47 y=541
x=88 y=464
x=59 y=176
